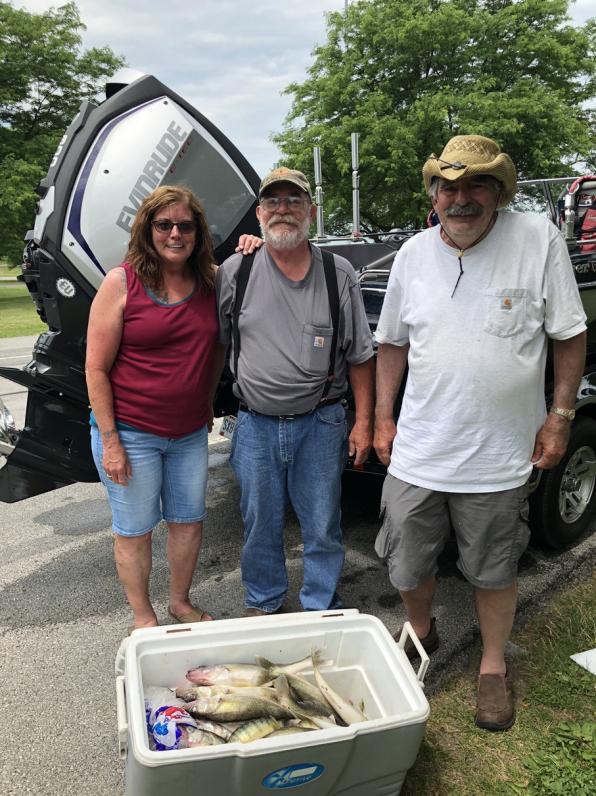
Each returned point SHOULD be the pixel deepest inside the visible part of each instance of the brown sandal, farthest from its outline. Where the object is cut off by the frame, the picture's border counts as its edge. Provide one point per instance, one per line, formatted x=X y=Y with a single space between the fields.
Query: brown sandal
x=194 y=615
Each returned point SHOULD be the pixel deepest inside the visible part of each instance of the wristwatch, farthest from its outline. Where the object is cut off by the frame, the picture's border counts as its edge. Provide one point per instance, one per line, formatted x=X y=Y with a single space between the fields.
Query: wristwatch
x=568 y=414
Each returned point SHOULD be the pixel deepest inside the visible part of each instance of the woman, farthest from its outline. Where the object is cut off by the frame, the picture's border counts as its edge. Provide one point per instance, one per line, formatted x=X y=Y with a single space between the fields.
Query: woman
x=152 y=367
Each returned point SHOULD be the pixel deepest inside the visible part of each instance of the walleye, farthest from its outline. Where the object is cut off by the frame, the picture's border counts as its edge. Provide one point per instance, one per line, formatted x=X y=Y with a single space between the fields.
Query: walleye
x=192 y=692
x=223 y=730
x=243 y=673
x=191 y=737
x=308 y=694
x=344 y=709
x=291 y=730
x=235 y=707
x=284 y=695
x=253 y=730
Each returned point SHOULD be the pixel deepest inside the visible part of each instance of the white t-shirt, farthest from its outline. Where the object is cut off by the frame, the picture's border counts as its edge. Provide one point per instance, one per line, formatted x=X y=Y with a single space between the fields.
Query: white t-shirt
x=474 y=397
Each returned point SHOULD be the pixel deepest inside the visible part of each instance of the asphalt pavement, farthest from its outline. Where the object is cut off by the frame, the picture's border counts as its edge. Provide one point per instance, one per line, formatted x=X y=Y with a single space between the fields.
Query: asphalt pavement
x=63 y=615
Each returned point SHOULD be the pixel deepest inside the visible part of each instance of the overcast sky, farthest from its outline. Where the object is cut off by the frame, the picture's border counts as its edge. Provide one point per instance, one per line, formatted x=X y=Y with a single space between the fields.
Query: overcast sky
x=231 y=59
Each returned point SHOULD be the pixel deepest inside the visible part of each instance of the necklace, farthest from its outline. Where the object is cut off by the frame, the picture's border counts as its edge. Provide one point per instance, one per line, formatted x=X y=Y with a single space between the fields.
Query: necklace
x=461 y=250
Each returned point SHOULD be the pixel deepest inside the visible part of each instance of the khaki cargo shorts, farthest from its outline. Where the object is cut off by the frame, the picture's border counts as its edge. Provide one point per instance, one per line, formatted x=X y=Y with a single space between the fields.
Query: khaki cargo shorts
x=491 y=530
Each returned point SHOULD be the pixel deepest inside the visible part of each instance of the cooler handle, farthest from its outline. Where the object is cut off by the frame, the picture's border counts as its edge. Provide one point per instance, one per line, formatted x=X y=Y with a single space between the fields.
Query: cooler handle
x=408 y=630
x=122 y=717
x=119 y=664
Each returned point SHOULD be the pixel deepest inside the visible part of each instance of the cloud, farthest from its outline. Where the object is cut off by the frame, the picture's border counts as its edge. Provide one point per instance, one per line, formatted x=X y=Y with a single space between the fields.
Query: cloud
x=228 y=58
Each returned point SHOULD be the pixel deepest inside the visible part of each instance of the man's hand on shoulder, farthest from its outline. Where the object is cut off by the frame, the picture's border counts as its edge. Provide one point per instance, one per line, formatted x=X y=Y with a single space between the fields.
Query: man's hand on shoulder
x=247 y=244
x=383 y=440
x=551 y=442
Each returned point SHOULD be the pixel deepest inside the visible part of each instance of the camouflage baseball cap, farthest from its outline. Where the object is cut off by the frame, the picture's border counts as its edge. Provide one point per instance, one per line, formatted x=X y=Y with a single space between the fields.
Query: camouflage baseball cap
x=282 y=174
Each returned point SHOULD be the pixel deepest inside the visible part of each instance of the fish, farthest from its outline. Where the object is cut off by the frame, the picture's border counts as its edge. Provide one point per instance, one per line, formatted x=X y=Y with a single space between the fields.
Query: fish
x=235 y=707
x=253 y=730
x=247 y=674
x=242 y=673
x=308 y=694
x=284 y=695
x=344 y=709
x=291 y=730
x=223 y=730
x=305 y=724
x=192 y=692
x=275 y=669
x=191 y=737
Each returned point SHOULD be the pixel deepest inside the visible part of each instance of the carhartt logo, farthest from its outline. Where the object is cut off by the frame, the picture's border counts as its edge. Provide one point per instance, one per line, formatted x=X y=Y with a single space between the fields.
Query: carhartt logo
x=319 y=342
x=506 y=303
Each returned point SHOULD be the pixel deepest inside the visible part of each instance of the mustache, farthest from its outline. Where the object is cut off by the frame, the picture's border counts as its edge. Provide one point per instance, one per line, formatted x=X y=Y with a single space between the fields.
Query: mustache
x=469 y=209
x=280 y=218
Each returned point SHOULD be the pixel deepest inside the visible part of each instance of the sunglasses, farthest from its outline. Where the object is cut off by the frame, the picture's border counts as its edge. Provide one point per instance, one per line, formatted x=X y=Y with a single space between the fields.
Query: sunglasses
x=272 y=203
x=184 y=227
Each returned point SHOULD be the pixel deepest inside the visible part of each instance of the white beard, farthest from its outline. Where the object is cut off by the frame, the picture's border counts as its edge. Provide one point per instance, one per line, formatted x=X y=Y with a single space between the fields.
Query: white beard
x=284 y=239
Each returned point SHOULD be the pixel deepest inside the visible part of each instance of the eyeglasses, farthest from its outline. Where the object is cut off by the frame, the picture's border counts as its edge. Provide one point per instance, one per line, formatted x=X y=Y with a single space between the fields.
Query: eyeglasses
x=272 y=203
x=184 y=227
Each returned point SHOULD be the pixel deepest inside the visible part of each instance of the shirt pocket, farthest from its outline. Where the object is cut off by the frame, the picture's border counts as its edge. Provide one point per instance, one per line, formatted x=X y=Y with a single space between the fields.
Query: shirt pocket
x=505 y=311
x=316 y=346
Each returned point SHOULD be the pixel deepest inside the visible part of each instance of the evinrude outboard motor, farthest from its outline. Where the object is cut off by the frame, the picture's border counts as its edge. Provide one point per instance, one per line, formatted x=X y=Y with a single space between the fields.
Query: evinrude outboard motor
x=111 y=157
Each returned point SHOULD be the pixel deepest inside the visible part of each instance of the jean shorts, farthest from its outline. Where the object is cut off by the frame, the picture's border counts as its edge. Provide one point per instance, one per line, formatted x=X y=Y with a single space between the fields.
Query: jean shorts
x=169 y=480
x=491 y=530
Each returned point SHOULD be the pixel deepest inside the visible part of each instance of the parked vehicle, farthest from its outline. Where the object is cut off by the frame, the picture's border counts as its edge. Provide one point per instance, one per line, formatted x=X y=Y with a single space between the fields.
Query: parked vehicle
x=112 y=155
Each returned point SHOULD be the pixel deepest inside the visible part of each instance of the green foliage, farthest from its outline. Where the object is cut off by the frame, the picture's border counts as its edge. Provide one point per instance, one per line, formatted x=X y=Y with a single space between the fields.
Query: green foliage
x=44 y=76
x=409 y=74
x=550 y=749
x=567 y=766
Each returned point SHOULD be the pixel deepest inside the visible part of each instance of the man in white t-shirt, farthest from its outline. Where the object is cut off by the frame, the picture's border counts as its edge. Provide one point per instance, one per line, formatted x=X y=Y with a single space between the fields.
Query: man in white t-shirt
x=469 y=308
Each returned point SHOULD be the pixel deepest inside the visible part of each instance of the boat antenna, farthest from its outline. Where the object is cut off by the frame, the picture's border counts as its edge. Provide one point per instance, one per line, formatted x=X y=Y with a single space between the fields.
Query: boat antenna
x=319 y=192
x=355 y=188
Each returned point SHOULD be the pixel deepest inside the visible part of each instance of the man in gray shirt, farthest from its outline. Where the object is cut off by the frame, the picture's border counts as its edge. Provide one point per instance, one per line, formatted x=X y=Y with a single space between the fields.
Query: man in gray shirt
x=290 y=442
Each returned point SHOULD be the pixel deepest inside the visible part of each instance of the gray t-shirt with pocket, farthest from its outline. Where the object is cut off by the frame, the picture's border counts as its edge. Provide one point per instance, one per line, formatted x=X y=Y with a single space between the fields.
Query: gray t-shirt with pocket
x=285 y=332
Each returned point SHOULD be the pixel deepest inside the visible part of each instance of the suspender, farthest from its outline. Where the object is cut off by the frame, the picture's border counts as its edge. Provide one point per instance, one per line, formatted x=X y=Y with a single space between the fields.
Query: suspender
x=241 y=283
x=242 y=278
x=333 y=296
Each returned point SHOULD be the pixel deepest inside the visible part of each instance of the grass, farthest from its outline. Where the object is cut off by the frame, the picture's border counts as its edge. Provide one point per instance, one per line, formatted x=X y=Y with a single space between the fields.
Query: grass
x=552 y=747
x=5 y=270
x=17 y=311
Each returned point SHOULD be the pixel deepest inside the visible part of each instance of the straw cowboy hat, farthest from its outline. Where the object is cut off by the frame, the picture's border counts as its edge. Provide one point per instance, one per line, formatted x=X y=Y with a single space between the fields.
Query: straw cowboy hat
x=468 y=156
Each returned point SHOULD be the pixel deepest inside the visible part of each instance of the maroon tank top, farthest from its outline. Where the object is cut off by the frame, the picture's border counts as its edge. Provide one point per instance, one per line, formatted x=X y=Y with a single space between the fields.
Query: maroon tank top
x=162 y=372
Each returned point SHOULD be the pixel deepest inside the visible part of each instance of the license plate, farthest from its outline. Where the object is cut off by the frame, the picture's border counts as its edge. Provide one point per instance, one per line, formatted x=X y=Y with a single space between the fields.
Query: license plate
x=228 y=426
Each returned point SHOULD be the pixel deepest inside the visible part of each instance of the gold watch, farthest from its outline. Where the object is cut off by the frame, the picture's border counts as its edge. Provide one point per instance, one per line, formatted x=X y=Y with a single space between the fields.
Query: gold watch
x=568 y=414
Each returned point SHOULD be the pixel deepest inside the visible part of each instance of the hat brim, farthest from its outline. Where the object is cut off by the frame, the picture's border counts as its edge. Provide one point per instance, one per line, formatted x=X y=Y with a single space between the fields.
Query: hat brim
x=287 y=180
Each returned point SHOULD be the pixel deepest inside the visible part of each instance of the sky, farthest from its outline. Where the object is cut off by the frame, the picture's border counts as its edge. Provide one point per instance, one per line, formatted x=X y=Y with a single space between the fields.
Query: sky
x=231 y=59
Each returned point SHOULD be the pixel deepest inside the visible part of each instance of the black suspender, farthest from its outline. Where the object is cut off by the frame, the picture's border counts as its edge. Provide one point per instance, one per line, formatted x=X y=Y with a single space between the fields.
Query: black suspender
x=241 y=282
x=333 y=296
x=242 y=277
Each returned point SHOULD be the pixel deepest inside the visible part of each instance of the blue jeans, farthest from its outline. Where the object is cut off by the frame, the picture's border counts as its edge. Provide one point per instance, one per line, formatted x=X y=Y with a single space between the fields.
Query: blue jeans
x=169 y=480
x=300 y=461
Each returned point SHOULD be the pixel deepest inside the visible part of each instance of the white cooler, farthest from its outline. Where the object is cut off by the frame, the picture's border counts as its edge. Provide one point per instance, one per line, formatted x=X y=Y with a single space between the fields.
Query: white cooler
x=364 y=759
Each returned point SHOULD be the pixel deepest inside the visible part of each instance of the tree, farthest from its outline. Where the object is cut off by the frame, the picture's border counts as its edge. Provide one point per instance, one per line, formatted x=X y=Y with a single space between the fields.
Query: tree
x=44 y=76
x=409 y=74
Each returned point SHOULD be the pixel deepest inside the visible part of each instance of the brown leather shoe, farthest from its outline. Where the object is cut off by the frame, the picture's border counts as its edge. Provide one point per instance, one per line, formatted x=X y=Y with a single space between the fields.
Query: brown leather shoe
x=430 y=642
x=495 y=708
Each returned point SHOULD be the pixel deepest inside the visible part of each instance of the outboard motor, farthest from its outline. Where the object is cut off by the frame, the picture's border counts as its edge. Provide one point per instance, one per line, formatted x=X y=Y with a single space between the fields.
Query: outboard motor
x=109 y=159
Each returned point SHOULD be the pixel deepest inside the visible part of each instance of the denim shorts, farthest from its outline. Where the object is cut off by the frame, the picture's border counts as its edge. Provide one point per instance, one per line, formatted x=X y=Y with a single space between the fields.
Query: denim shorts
x=491 y=530
x=169 y=480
